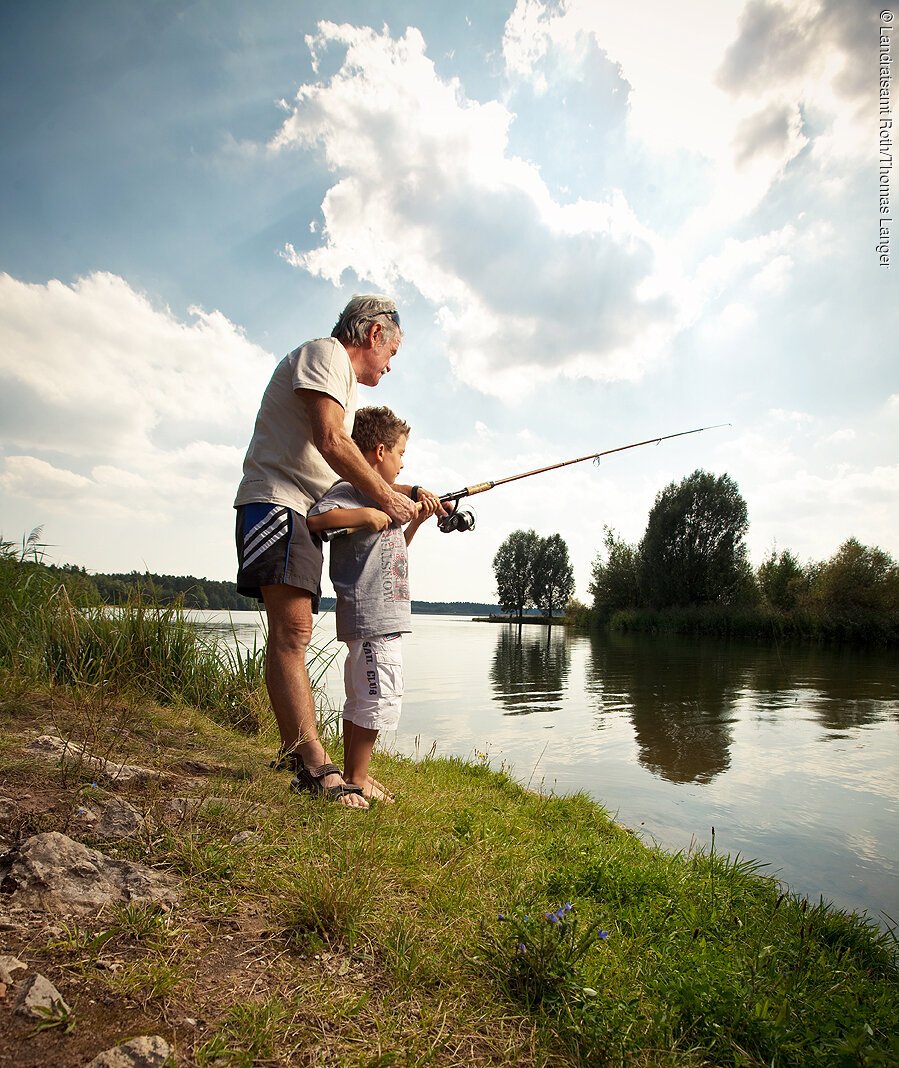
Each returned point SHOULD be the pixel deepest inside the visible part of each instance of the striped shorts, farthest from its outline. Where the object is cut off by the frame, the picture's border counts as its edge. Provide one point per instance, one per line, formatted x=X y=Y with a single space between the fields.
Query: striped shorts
x=274 y=547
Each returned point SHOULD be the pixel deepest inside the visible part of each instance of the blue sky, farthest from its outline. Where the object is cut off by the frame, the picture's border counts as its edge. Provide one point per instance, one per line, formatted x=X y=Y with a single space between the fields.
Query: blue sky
x=602 y=223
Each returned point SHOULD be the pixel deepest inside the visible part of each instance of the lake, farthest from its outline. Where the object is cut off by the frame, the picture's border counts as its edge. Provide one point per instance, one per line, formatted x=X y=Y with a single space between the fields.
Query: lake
x=789 y=752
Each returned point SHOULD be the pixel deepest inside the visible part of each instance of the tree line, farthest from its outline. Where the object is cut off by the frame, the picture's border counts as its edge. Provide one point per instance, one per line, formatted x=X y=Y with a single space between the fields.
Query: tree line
x=690 y=572
x=533 y=572
x=119 y=588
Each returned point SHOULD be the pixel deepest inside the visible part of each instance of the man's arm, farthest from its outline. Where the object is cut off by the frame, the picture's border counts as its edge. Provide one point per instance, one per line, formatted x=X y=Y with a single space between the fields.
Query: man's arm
x=342 y=455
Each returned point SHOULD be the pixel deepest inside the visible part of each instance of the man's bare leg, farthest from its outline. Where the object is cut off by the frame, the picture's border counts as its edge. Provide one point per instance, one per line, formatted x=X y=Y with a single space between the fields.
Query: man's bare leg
x=358 y=745
x=289 y=612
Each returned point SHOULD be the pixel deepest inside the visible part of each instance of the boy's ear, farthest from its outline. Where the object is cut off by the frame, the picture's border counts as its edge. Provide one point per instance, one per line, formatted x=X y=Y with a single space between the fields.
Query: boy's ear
x=380 y=450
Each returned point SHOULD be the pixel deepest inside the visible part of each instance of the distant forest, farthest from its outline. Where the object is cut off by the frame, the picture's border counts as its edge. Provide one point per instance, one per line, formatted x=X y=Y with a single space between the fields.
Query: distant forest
x=208 y=593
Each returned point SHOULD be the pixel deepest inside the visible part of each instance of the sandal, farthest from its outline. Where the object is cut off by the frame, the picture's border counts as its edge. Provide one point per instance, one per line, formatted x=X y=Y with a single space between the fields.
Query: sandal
x=291 y=761
x=305 y=782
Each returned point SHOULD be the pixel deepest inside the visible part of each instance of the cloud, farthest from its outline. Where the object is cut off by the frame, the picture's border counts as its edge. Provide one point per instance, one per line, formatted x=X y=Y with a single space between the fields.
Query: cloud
x=112 y=405
x=427 y=193
x=747 y=92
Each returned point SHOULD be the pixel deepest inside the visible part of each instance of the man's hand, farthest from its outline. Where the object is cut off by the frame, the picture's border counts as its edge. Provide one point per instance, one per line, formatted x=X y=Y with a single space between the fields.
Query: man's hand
x=399 y=507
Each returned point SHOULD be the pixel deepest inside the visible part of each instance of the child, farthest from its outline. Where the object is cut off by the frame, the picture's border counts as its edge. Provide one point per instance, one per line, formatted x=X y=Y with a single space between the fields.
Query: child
x=370 y=572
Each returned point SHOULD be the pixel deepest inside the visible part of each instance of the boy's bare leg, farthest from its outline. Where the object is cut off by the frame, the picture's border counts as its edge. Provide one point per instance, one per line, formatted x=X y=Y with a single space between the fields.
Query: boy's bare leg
x=358 y=745
x=289 y=613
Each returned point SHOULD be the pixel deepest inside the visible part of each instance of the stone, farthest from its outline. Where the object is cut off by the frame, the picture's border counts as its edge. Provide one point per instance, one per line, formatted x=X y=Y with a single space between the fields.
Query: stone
x=51 y=747
x=53 y=872
x=148 y=1051
x=243 y=836
x=8 y=965
x=119 y=819
x=38 y=997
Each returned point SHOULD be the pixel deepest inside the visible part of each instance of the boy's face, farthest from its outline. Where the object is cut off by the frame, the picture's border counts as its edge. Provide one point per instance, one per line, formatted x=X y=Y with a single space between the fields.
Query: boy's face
x=391 y=463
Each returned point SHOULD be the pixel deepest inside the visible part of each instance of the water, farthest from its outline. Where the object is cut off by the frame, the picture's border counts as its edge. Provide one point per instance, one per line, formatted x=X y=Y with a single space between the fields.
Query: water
x=789 y=753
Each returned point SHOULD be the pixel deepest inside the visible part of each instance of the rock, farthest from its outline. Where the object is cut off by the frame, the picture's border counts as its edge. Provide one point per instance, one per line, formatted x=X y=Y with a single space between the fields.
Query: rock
x=119 y=819
x=54 y=872
x=50 y=747
x=148 y=1051
x=243 y=836
x=39 y=996
x=8 y=965
x=9 y=809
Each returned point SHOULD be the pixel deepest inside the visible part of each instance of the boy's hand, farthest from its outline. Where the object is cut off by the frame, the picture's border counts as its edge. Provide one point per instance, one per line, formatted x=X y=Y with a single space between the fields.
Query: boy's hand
x=426 y=496
x=427 y=506
x=376 y=520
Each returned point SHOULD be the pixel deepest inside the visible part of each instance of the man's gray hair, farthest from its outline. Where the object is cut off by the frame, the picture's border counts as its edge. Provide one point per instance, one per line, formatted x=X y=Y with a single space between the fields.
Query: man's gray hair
x=356 y=318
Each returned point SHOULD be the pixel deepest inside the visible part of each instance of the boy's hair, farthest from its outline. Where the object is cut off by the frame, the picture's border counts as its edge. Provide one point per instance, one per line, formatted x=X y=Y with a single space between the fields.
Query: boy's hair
x=375 y=425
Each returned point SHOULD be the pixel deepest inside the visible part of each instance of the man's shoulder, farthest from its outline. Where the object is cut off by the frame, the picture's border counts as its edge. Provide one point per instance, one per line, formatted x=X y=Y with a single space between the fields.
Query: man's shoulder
x=317 y=348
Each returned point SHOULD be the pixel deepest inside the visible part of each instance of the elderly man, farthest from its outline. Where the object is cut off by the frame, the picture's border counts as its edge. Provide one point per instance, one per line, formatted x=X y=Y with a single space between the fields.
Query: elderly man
x=301 y=444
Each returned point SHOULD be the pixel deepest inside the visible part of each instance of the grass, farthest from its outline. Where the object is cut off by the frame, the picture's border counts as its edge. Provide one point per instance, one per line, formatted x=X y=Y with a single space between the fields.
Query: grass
x=471 y=923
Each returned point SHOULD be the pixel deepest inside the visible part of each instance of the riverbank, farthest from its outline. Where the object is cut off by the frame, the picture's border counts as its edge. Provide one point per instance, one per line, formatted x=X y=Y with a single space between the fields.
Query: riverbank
x=470 y=923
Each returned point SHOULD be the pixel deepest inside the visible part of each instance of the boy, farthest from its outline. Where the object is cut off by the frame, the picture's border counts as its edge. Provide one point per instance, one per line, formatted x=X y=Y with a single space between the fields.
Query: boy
x=370 y=572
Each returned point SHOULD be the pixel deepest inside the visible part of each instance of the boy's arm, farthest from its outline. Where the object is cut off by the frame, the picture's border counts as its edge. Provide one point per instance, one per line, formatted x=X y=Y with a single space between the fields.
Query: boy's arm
x=365 y=518
x=426 y=508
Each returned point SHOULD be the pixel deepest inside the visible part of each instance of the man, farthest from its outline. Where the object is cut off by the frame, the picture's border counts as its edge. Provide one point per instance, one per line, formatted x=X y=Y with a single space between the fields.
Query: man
x=301 y=444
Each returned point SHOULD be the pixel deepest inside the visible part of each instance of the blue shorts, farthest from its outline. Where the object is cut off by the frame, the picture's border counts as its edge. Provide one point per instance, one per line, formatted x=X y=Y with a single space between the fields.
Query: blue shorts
x=275 y=547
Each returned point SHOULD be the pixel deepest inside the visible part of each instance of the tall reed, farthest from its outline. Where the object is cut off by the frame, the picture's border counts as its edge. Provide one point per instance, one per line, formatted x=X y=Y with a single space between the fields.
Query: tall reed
x=141 y=648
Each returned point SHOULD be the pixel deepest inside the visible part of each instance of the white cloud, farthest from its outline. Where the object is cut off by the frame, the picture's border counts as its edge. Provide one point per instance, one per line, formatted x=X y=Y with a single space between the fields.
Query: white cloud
x=746 y=90
x=93 y=368
x=114 y=408
x=427 y=193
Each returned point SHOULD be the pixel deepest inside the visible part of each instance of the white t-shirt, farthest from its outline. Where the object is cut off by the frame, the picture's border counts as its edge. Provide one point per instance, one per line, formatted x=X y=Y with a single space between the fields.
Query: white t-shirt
x=282 y=465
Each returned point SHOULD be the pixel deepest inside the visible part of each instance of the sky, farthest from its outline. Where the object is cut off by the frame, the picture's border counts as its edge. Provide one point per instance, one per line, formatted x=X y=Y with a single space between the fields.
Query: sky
x=602 y=223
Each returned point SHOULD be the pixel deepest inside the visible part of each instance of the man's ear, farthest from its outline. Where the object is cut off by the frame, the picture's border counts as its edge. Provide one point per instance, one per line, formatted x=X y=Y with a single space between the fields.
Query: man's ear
x=374 y=333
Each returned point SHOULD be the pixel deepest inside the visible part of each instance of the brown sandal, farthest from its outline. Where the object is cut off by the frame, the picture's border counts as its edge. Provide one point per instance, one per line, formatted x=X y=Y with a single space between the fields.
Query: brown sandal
x=305 y=782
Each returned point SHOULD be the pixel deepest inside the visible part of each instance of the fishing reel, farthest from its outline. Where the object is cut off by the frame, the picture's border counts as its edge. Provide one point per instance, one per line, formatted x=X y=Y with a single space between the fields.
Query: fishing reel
x=456 y=520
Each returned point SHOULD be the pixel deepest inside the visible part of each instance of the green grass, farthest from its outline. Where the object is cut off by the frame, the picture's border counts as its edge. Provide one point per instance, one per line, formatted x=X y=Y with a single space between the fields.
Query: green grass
x=471 y=923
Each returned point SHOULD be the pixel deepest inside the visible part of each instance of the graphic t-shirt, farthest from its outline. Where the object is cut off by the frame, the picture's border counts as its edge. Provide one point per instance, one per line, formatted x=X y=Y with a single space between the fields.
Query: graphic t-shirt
x=370 y=572
x=282 y=465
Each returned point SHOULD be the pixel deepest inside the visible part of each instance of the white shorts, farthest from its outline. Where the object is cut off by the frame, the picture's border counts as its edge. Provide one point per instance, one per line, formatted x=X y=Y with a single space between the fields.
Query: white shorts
x=373 y=677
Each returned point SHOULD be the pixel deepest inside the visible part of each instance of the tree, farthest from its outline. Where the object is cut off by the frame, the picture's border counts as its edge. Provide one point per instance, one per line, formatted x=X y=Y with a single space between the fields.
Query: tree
x=512 y=569
x=693 y=550
x=552 y=580
x=782 y=580
x=614 y=584
x=858 y=581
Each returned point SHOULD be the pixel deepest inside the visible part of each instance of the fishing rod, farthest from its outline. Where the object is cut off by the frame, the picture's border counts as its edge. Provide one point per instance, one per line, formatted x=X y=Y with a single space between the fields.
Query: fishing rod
x=465 y=520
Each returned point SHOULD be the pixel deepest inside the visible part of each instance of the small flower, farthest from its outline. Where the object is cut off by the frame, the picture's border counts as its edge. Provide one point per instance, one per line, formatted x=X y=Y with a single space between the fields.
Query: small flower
x=521 y=948
x=552 y=917
x=500 y=916
x=603 y=935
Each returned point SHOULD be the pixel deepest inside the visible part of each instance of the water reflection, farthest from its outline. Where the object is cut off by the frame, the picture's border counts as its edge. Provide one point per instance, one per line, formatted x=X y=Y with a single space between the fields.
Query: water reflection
x=682 y=696
x=530 y=669
x=680 y=703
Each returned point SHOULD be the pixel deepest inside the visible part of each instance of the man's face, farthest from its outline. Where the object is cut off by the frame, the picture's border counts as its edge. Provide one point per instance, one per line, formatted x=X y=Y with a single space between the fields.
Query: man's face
x=376 y=361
